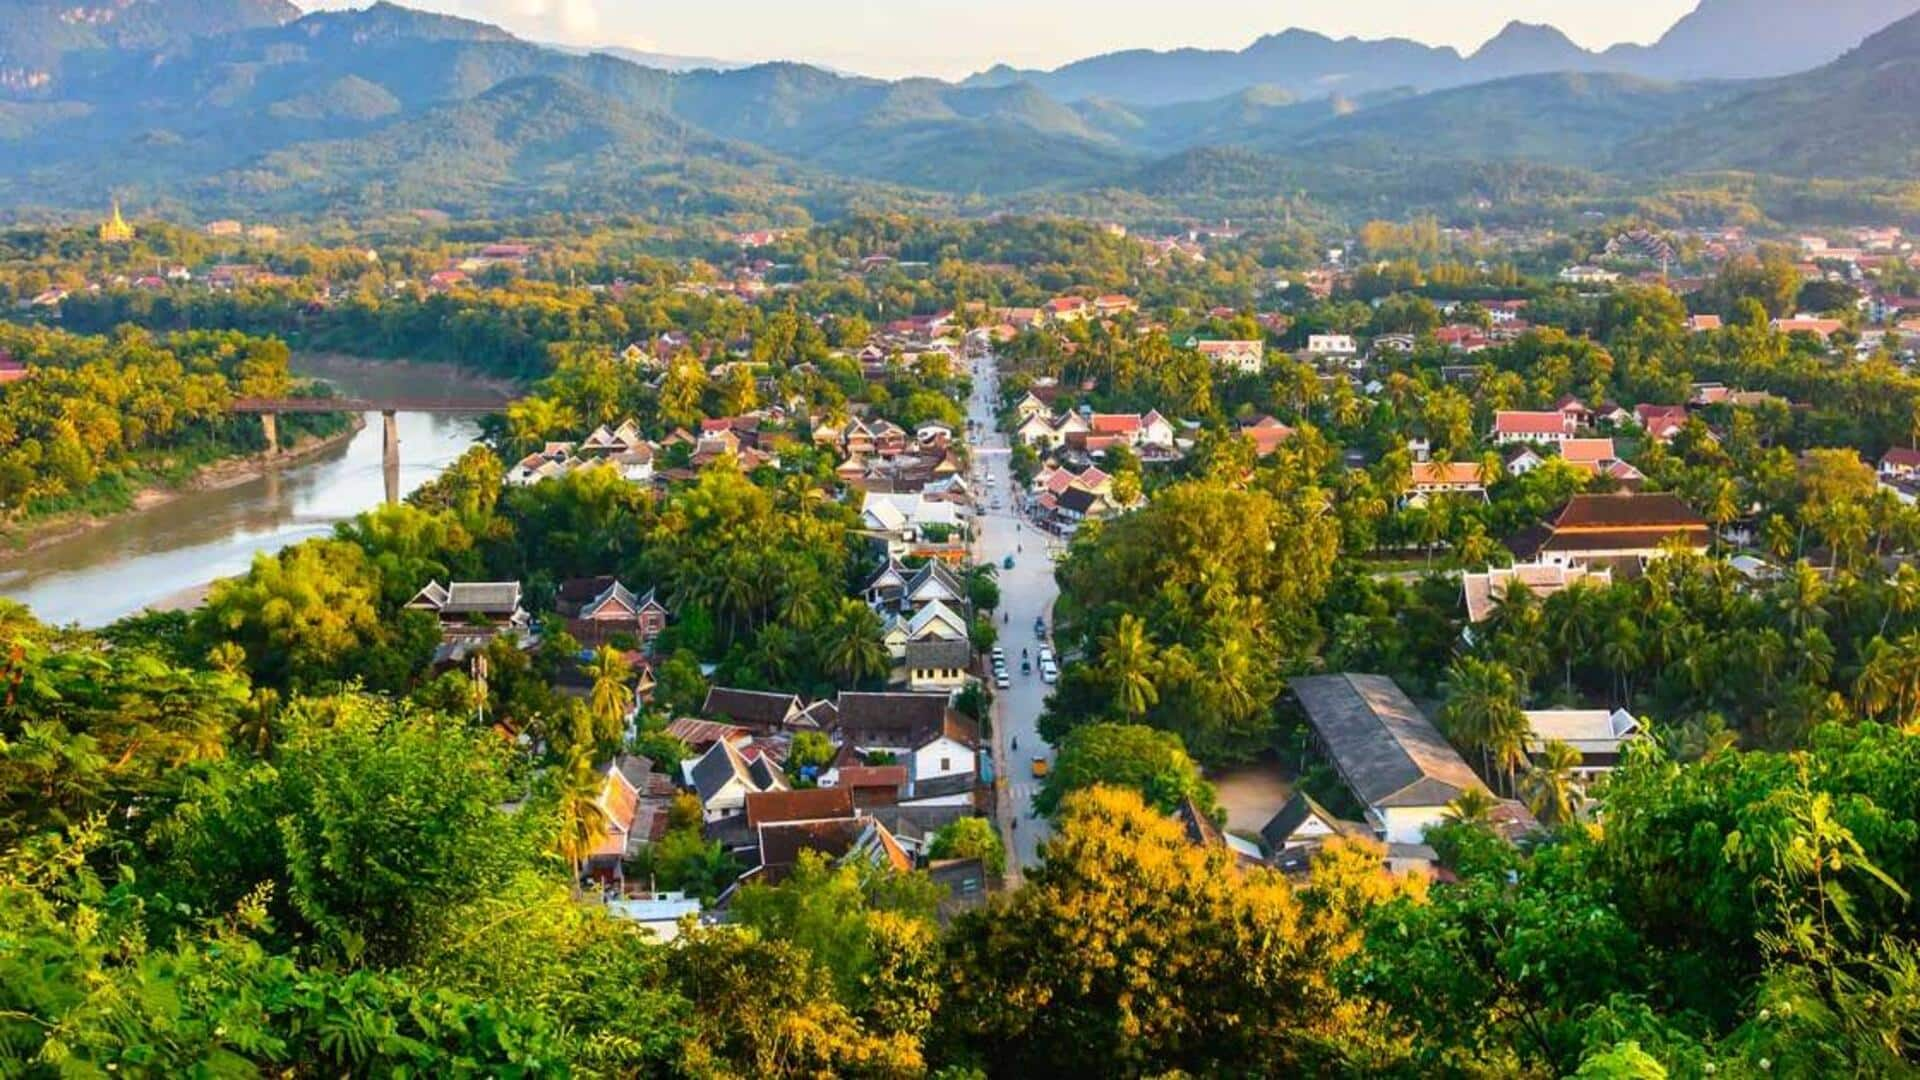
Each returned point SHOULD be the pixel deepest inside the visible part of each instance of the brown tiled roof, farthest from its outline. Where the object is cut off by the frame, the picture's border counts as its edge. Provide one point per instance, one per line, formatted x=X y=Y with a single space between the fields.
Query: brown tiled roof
x=699 y=734
x=812 y=804
x=1625 y=539
x=754 y=708
x=781 y=844
x=1626 y=511
x=905 y=718
x=872 y=776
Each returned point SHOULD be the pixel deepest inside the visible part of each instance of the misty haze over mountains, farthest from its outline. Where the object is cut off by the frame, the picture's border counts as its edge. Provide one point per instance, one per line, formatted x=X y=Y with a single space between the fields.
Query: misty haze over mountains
x=230 y=105
x=1719 y=39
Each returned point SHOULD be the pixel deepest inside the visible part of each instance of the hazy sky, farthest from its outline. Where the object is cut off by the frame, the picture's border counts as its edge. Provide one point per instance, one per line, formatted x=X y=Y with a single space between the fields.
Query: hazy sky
x=951 y=38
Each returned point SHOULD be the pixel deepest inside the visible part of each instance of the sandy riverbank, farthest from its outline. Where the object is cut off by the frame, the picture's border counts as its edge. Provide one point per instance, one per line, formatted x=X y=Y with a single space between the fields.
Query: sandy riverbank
x=22 y=540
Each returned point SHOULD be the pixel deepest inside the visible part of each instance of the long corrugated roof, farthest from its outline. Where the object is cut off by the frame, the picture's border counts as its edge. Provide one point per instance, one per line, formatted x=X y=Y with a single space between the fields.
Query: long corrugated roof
x=1385 y=749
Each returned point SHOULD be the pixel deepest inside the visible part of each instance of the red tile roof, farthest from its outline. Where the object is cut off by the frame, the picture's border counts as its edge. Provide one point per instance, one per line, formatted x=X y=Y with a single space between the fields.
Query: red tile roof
x=1531 y=423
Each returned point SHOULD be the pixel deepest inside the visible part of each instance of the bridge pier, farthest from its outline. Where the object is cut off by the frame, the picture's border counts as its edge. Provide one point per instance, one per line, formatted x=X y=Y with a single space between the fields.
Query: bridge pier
x=270 y=424
x=390 y=454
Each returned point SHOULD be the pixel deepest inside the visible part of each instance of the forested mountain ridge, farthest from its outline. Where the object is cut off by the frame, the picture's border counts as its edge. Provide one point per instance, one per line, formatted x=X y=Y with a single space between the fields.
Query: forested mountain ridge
x=1859 y=115
x=38 y=36
x=311 y=115
x=1718 y=39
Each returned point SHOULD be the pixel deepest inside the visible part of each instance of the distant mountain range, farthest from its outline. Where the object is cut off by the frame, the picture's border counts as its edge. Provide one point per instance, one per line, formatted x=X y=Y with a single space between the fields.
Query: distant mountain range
x=1719 y=39
x=228 y=106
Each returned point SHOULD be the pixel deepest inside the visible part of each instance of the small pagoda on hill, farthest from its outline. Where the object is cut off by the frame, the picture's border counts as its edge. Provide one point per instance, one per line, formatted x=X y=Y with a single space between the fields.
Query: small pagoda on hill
x=115 y=229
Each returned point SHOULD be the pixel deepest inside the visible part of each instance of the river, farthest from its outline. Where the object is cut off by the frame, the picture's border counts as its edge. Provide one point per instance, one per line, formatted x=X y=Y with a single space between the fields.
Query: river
x=166 y=554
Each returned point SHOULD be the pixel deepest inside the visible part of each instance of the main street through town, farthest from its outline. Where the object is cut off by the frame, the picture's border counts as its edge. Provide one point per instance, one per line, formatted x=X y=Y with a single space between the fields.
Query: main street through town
x=1027 y=592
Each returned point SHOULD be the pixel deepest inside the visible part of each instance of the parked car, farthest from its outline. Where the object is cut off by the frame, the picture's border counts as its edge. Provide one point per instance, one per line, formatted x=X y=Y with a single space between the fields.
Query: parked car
x=1046 y=655
x=1048 y=672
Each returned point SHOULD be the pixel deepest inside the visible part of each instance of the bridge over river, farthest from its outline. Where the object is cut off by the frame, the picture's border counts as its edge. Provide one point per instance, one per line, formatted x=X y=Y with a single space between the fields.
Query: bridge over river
x=270 y=409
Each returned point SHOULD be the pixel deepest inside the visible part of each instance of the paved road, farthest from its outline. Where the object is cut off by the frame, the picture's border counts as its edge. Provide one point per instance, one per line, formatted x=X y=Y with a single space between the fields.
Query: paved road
x=1026 y=591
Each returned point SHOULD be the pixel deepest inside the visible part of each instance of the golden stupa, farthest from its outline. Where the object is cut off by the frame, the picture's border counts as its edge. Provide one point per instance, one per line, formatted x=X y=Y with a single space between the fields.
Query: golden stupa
x=115 y=229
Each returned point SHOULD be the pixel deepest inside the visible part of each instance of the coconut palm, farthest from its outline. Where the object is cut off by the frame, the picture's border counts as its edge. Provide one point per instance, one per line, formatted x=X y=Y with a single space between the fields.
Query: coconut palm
x=1548 y=785
x=1889 y=683
x=582 y=819
x=1127 y=665
x=850 y=645
x=1902 y=595
x=1620 y=652
x=1801 y=595
x=611 y=699
x=1483 y=712
x=1473 y=806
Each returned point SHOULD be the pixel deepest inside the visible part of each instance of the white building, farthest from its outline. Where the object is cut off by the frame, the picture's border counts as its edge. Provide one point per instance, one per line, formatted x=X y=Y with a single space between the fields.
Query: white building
x=1599 y=735
x=1331 y=345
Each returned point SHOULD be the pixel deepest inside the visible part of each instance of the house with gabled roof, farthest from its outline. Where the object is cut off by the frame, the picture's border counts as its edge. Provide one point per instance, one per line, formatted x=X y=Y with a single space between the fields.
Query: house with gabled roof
x=1900 y=464
x=1203 y=832
x=723 y=777
x=888 y=587
x=934 y=583
x=1483 y=592
x=1597 y=457
x=1661 y=422
x=809 y=804
x=479 y=609
x=597 y=608
x=1620 y=528
x=937 y=665
x=1029 y=406
x=699 y=734
x=1267 y=434
x=1516 y=426
x=922 y=730
x=936 y=620
x=839 y=840
x=1427 y=479
x=1600 y=735
x=1303 y=822
x=758 y=710
x=1247 y=357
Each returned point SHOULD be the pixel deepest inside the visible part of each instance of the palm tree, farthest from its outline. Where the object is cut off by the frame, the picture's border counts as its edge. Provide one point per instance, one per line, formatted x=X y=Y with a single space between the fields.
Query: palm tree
x=582 y=819
x=1620 y=652
x=1902 y=595
x=1483 y=712
x=773 y=654
x=1780 y=537
x=1801 y=596
x=1492 y=469
x=1568 y=626
x=1474 y=806
x=1889 y=684
x=1127 y=665
x=1548 y=786
x=850 y=645
x=1228 y=669
x=611 y=699
x=1723 y=507
x=1507 y=740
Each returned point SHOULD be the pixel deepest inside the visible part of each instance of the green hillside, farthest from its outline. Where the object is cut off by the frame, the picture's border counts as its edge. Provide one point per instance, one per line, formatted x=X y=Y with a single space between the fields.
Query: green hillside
x=527 y=143
x=309 y=115
x=1569 y=119
x=38 y=36
x=1858 y=116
